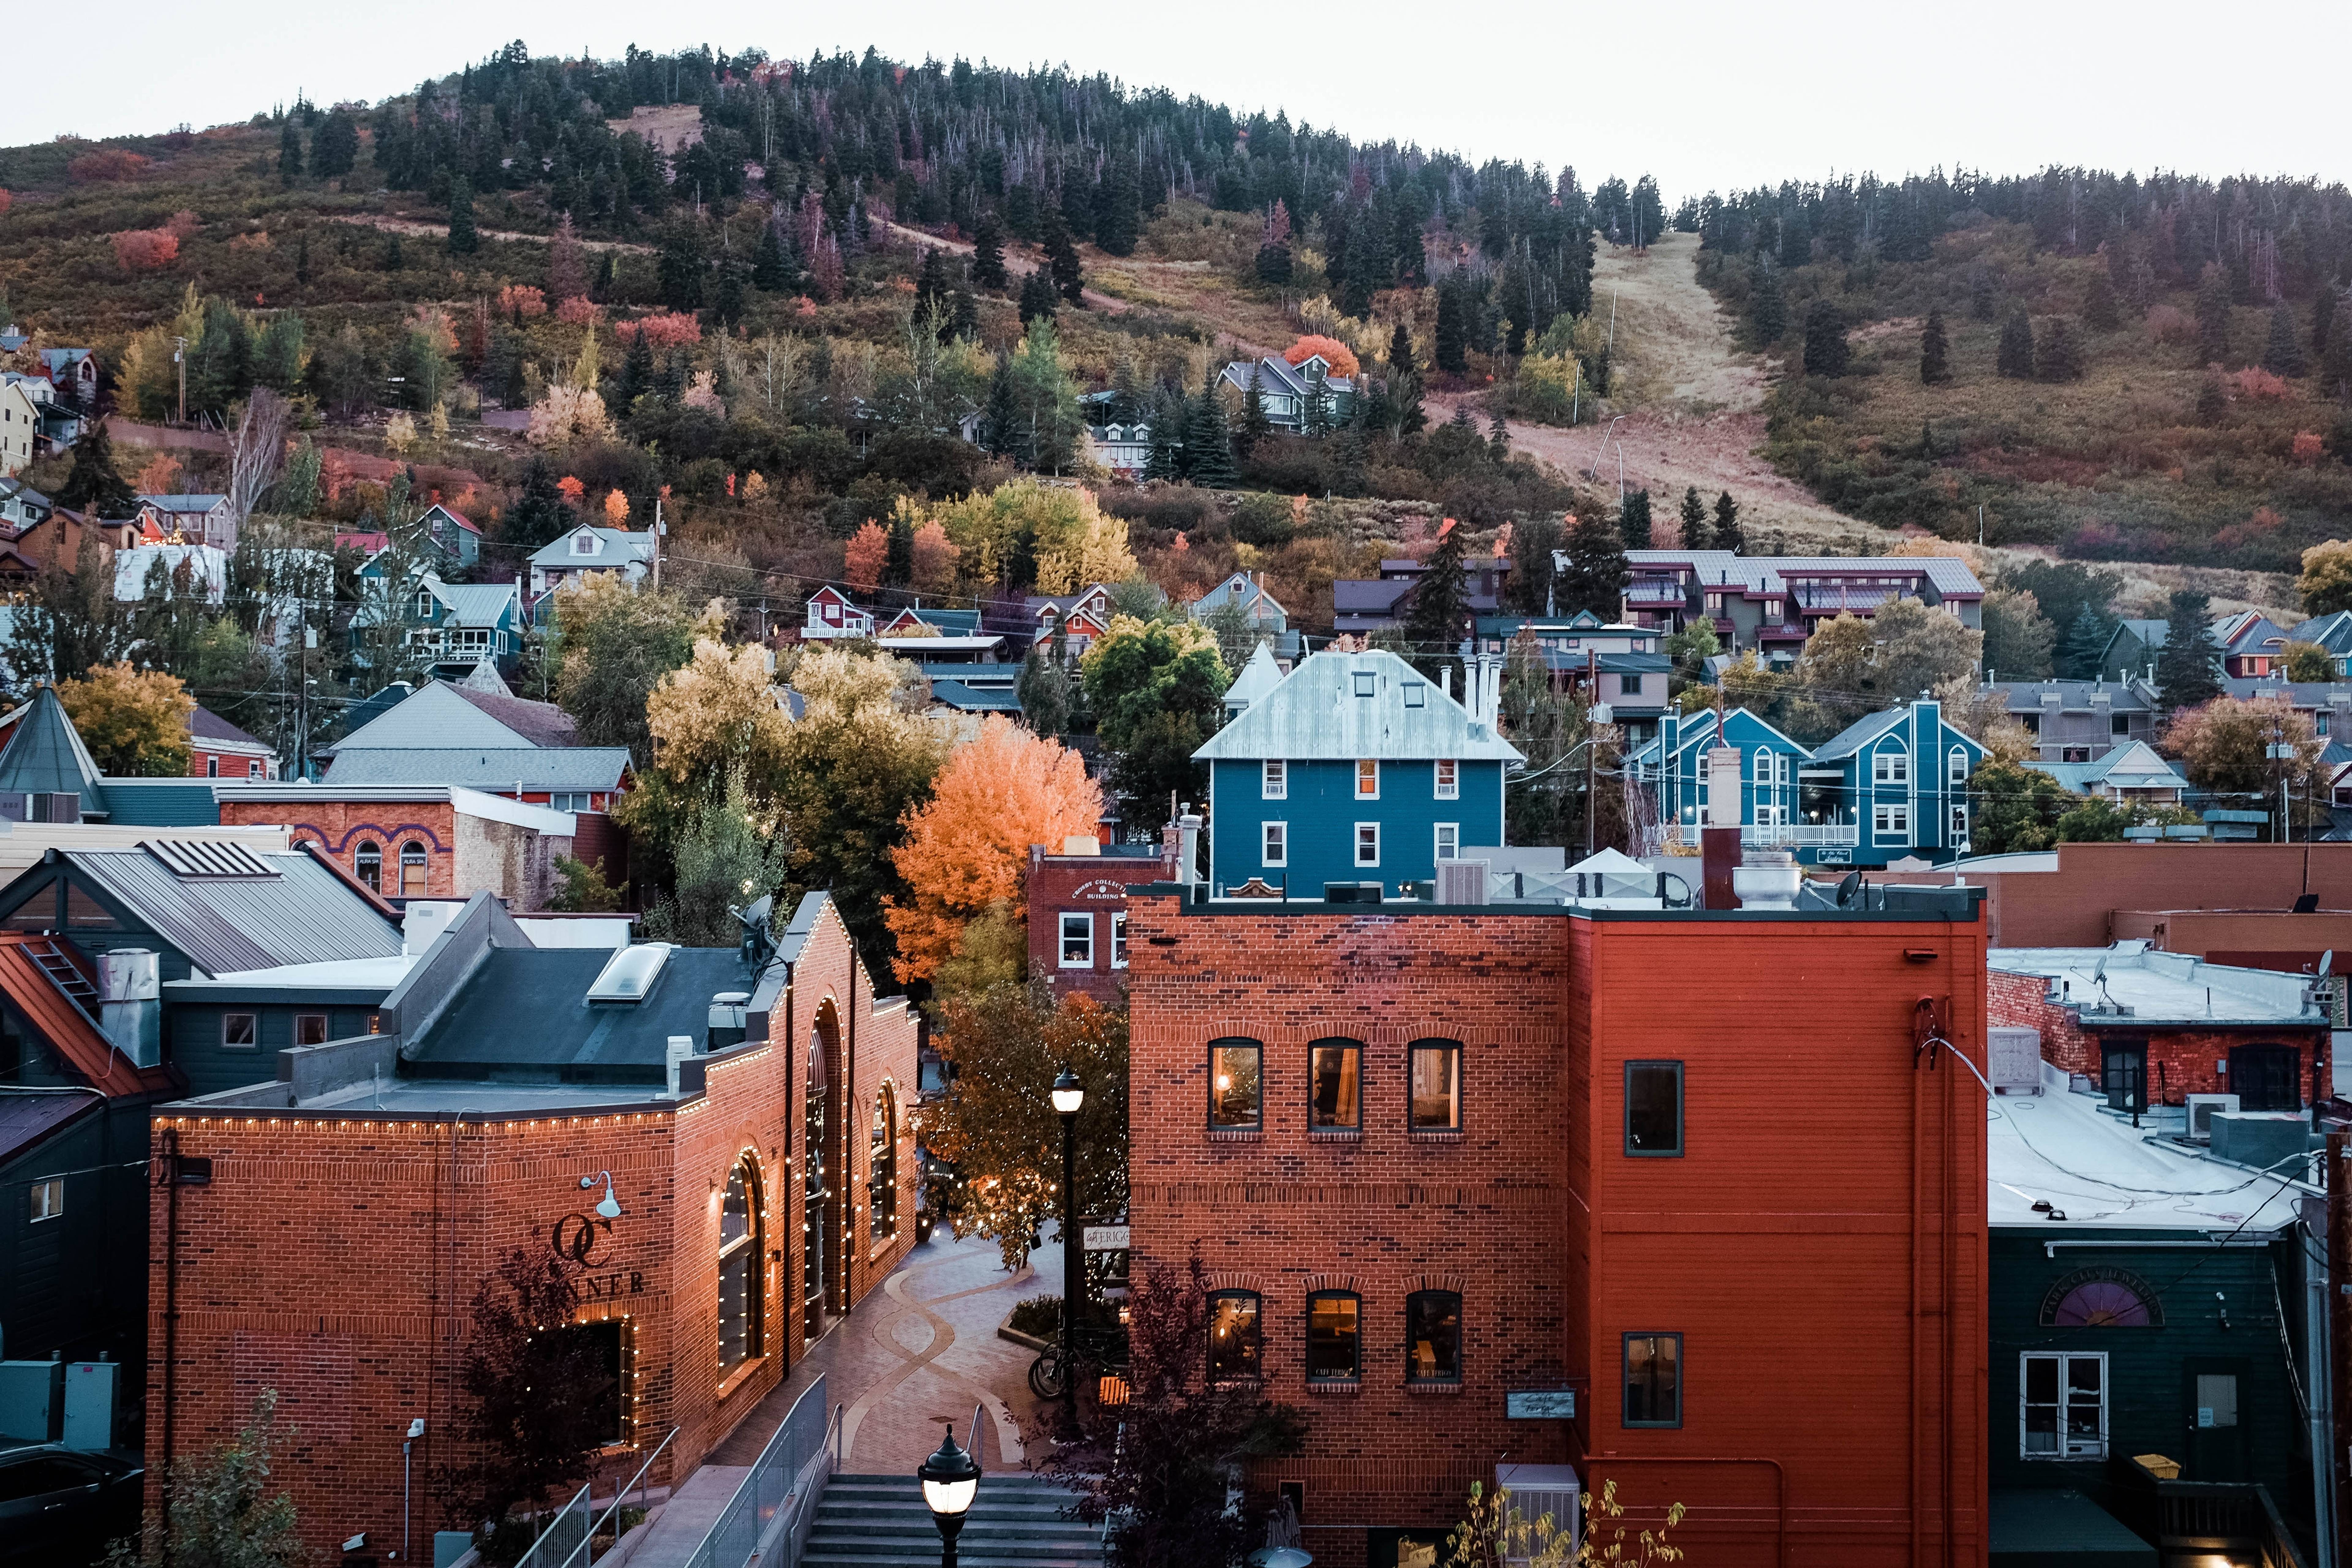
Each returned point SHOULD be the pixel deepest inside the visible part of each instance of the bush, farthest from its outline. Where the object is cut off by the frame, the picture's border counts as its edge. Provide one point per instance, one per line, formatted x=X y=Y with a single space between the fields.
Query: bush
x=108 y=163
x=146 y=250
x=2170 y=326
x=1039 y=1317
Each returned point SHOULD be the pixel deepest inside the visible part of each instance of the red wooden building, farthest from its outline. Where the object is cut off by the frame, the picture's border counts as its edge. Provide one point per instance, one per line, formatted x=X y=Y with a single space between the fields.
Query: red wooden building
x=1450 y=1168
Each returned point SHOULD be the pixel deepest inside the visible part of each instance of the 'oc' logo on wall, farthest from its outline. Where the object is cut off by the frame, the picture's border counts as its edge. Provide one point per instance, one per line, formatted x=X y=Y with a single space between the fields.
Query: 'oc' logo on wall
x=574 y=1239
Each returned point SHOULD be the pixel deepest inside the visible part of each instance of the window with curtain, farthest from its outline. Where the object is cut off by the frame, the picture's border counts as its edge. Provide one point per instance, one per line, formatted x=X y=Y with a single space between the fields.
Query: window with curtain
x=1234 y=1336
x=369 y=863
x=882 y=1166
x=1433 y=1337
x=1235 y=1084
x=1334 y=1340
x=411 y=870
x=1334 y=1086
x=741 y=1230
x=1436 y=1086
x=1653 y=1380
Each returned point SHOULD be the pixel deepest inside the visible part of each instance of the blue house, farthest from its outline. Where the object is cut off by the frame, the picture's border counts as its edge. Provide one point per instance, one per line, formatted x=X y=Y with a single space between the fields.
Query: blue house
x=1889 y=786
x=1355 y=768
x=459 y=626
x=1770 y=763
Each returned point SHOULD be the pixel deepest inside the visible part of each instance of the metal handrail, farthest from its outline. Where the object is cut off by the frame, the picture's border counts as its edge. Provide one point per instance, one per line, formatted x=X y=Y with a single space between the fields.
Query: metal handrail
x=789 y=1474
x=972 y=1447
x=620 y=1494
x=532 y=1558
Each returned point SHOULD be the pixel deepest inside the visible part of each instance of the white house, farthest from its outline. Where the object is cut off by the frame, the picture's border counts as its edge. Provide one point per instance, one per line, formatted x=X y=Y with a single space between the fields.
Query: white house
x=1124 y=450
x=197 y=518
x=587 y=548
x=206 y=566
x=19 y=423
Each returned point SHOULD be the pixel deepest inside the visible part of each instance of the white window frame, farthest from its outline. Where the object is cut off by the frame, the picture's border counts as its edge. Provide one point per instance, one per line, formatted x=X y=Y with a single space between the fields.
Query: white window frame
x=1449 y=779
x=1074 y=920
x=1274 y=844
x=1959 y=821
x=2065 y=1450
x=1891 y=822
x=46 y=1200
x=1374 y=830
x=1374 y=763
x=1958 y=766
x=1890 y=767
x=1447 y=843
x=1273 y=779
x=1118 y=939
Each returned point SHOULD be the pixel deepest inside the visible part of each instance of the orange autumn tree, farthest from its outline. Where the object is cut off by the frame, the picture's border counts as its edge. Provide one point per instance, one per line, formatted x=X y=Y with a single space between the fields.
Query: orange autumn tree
x=1337 y=355
x=862 y=563
x=967 y=846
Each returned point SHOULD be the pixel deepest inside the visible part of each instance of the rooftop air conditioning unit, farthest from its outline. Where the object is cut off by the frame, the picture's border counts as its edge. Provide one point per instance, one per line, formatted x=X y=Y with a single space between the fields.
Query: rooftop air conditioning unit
x=2201 y=1108
x=2016 y=1060
x=1462 y=881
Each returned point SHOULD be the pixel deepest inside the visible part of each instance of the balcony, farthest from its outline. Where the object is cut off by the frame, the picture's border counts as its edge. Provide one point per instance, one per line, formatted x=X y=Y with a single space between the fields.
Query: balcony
x=2234 y=1521
x=1799 y=835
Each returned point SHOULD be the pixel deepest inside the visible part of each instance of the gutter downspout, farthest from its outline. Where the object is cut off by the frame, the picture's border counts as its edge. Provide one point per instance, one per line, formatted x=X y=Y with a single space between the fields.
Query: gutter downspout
x=2316 y=1289
x=171 y=1180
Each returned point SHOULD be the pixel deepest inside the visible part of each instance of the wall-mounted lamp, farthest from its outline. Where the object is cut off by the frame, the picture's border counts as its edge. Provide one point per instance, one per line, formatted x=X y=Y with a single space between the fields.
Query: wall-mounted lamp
x=608 y=1206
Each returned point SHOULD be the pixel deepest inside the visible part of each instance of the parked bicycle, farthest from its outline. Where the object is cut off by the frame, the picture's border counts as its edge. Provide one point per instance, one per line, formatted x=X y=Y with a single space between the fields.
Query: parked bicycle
x=1095 y=1345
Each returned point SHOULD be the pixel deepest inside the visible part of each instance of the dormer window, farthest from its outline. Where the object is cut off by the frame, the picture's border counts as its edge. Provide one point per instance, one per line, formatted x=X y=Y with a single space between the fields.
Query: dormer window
x=583 y=543
x=425 y=605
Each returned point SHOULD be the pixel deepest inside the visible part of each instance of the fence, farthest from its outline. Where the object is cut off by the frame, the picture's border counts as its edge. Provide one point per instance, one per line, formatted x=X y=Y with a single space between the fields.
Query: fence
x=788 y=1479
x=570 y=1538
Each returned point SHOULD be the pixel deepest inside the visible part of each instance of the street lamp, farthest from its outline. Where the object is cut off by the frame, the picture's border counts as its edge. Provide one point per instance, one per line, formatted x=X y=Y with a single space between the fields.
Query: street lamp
x=951 y=1479
x=1068 y=1095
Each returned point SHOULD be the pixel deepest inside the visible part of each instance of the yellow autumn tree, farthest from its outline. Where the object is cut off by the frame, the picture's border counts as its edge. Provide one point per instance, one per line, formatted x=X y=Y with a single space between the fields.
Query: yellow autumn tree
x=719 y=712
x=134 y=722
x=1074 y=543
x=967 y=846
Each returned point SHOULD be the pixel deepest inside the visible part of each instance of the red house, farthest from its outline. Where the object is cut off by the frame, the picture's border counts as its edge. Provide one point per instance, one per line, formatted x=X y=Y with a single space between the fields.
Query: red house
x=1689 y=1201
x=1077 y=912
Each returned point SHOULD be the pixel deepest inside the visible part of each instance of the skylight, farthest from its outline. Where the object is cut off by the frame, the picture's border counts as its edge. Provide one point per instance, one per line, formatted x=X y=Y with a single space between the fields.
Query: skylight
x=630 y=972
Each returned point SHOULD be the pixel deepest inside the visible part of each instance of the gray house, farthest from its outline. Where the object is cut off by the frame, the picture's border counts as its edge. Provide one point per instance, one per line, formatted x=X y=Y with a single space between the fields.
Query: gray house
x=1771 y=604
x=2081 y=720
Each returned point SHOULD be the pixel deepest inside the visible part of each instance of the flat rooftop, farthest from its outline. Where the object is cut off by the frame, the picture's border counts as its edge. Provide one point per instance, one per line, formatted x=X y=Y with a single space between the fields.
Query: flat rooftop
x=2133 y=984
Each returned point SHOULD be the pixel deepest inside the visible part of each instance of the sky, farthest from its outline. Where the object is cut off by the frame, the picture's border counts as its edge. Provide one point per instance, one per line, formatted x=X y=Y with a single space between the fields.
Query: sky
x=1703 y=96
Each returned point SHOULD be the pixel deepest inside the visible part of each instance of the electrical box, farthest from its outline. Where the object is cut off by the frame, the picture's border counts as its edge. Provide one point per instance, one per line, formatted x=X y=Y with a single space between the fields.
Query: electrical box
x=90 y=1388
x=32 y=1400
x=2016 y=1055
x=2274 y=1141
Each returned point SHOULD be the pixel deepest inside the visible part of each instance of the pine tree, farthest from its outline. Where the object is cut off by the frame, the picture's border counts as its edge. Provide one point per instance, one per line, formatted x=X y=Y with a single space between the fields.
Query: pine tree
x=1634 y=520
x=1126 y=390
x=1037 y=298
x=1434 y=624
x=931 y=280
x=393 y=260
x=1208 y=443
x=2322 y=316
x=1404 y=412
x=289 y=152
x=2085 y=647
x=1255 y=427
x=1062 y=256
x=1596 y=575
x=1768 y=312
x=1316 y=423
x=1695 y=532
x=302 y=258
x=1119 y=210
x=2213 y=323
x=335 y=145
x=2189 y=666
x=2284 y=355
x=2014 y=359
x=2059 y=355
x=1826 y=353
x=1451 y=335
x=963 y=321
x=2099 y=311
x=1498 y=439
x=1165 y=460
x=1273 y=263
x=463 y=239
x=997 y=423
x=1726 y=524
x=771 y=272
x=1935 y=354
x=2212 y=399
x=94 y=485
x=988 y=253
x=898 y=562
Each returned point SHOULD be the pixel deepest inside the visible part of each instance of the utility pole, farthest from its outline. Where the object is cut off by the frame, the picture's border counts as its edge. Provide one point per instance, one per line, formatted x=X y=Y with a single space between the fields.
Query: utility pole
x=2339 y=1336
x=660 y=528
x=179 y=358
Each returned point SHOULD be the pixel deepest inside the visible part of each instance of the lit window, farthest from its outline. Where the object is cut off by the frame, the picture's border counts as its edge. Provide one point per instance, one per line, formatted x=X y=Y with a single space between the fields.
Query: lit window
x=1274 y=849
x=1234 y=1336
x=1449 y=841
x=1449 y=780
x=1274 y=780
x=882 y=1167
x=1436 y=1086
x=309 y=1029
x=1119 y=940
x=369 y=862
x=238 y=1032
x=1368 y=778
x=1653 y=1380
x=740 y=1224
x=412 y=870
x=1654 y=1108
x=1334 y=1085
x=48 y=1201
x=1334 y=1339
x=1368 y=844
x=1078 y=941
x=1433 y=1337
x=1234 y=1085
x=2063 y=1406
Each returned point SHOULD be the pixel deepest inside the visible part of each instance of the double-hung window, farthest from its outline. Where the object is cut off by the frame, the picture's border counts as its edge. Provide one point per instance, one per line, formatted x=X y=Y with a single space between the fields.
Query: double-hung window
x=2061 y=1405
x=1335 y=1085
x=1449 y=841
x=1334 y=1337
x=1368 y=778
x=1235 y=1086
x=1274 y=780
x=1890 y=767
x=1449 y=779
x=1368 y=844
x=1891 y=821
x=1274 y=844
x=1234 y=1336
x=1437 y=1085
x=1078 y=941
x=1653 y=1380
x=1119 y=940
x=1433 y=1337
x=1959 y=765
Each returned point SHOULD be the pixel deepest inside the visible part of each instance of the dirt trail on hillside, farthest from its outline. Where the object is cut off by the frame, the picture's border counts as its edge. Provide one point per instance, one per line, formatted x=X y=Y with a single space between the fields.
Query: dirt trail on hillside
x=1693 y=407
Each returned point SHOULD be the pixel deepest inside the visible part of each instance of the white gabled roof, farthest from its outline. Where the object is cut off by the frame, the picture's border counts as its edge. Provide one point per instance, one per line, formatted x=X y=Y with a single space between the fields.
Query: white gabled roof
x=1314 y=715
x=1258 y=676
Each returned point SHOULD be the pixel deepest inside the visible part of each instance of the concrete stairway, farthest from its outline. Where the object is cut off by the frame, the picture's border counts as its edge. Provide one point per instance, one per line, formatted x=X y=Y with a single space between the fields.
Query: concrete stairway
x=879 y=1521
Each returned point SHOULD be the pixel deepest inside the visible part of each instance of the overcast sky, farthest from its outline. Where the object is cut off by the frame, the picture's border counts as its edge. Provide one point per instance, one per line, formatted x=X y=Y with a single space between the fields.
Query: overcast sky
x=1701 y=94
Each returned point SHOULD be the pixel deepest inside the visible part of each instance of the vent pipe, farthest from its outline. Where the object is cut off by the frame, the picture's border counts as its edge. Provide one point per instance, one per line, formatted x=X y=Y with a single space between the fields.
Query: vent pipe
x=729 y=1011
x=681 y=1046
x=1188 y=846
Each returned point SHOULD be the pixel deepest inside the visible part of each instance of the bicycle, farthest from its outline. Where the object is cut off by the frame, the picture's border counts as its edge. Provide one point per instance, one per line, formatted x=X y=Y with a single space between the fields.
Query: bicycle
x=1097 y=1344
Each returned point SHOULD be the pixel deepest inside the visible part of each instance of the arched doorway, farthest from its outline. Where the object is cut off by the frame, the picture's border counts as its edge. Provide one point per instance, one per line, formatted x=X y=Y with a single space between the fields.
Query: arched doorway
x=817 y=1172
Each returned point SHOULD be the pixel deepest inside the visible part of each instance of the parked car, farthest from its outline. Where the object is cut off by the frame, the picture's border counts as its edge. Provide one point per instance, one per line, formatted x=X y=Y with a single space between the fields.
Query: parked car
x=60 y=1507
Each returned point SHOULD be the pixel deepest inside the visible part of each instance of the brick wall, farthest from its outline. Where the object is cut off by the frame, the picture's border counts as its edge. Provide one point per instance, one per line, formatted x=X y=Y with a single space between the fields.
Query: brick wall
x=1092 y=885
x=342 y=826
x=2179 y=1061
x=2070 y=907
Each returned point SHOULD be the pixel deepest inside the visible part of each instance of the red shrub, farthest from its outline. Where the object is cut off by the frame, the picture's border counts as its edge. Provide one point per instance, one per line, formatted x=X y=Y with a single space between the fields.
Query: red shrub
x=180 y=223
x=107 y=163
x=521 y=300
x=146 y=250
x=7 y=200
x=2259 y=386
x=579 y=311
x=2307 y=443
x=669 y=330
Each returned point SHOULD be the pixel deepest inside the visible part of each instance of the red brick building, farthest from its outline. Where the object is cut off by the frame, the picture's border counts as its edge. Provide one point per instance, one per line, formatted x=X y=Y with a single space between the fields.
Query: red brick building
x=421 y=841
x=2069 y=896
x=1077 y=913
x=1688 y=1168
x=356 y=1204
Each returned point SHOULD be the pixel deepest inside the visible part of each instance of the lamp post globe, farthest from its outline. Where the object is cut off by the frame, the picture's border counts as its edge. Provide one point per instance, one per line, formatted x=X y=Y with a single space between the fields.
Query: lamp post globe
x=1068 y=1095
x=951 y=1479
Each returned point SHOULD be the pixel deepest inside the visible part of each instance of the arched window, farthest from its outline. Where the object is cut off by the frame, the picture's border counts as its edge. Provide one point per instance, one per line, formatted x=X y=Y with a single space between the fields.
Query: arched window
x=1233 y=1336
x=743 y=1232
x=370 y=861
x=882 y=1166
x=2102 y=1298
x=411 y=870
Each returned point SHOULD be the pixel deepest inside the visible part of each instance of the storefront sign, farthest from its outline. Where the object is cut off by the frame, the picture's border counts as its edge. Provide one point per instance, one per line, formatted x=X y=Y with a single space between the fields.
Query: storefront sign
x=1540 y=1404
x=1106 y=1237
x=574 y=1239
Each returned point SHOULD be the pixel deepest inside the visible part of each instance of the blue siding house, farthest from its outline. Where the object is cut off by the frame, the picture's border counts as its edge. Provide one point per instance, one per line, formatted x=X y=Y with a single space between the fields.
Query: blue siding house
x=1355 y=768
x=1770 y=763
x=1892 y=786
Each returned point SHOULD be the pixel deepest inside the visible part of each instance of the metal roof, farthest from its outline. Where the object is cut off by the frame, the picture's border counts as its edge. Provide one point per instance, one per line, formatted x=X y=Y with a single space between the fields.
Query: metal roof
x=2132 y=766
x=2073 y=696
x=478 y=603
x=526 y=1011
x=161 y=803
x=26 y=1119
x=435 y=717
x=206 y=725
x=616 y=547
x=1770 y=575
x=965 y=698
x=304 y=914
x=483 y=768
x=1315 y=714
x=45 y=755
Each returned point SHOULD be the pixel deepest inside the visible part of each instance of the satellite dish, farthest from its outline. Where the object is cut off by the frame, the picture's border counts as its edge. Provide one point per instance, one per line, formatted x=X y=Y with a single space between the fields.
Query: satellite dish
x=1847 y=888
x=2099 y=970
x=759 y=942
x=2327 y=963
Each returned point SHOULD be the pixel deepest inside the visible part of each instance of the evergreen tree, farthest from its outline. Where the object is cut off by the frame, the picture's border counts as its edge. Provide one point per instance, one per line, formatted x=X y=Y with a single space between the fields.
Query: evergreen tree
x=2212 y=399
x=2086 y=645
x=2014 y=359
x=1062 y=256
x=988 y=252
x=1634 y=518
x=1499 y=441
x=1208 y=444
x=1273 y=263
x=684 y=259
x=1403 y=395
x=2335 y=362
x=1438 y=618
x=2188 y=667
x=2284 y=355
x=289 y=152
x=1768 y=311
x=1119 y=210
x=637 y=374
x=2322 y=316
x=1165 y=459
x=1255 y=427
x=774 y=269
x=335 y=145
x=1317 y=422
x=963 y=318
x=1451 y=335
x=931 y=280
x=539 y=515
x=302 y=258
x=1726 y=524
x=1127 y=391
x=1003 y=413
x=2059 y=355
x=898 y=562
x=1826 y=353
x=1935 y=354
x=1695 y=530
x=2213 y=323
x=727 y=291
x=94 y=485
x=393 y=260
x=463 y=239
x=1596 y=575
x=1037 y=298
x=2099 y=311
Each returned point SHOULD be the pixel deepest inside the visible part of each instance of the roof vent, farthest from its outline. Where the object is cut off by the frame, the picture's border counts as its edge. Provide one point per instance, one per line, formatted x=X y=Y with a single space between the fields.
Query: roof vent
x=629 y=974
x=195 y=860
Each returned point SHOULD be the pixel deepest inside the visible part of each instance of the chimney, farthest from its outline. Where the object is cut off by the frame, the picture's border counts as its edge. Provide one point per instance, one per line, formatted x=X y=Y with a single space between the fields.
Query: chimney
x=728 y=1021
x=1188 y=844
x=1719 y=838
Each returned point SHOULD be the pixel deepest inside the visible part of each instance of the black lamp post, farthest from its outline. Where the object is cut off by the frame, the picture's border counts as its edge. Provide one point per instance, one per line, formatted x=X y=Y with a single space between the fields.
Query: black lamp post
x=951 y=1479
x=1068 y=1095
